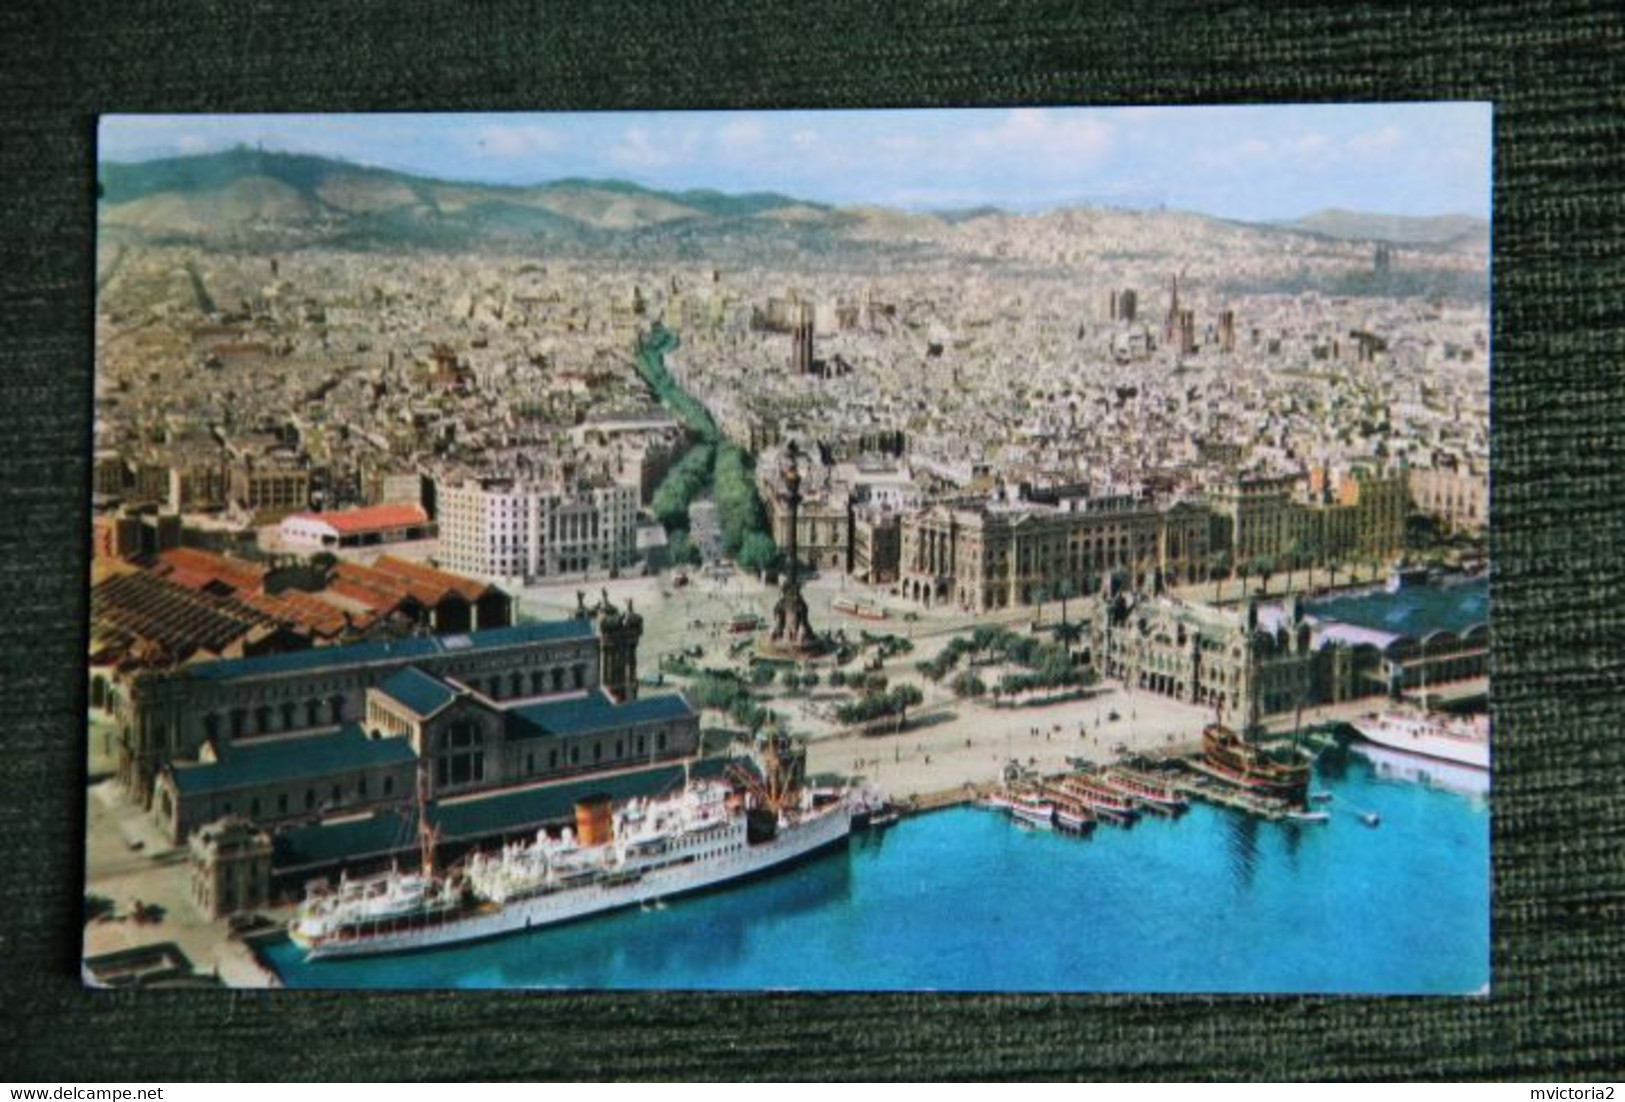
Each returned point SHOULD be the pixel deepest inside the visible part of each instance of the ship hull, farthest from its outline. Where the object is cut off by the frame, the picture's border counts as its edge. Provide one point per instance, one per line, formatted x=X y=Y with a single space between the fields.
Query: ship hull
x=1103 y=803
x=1230 y=758
x=570 y=904
x=1161 y=802
x=1042 y=817
x=1420 y=739
x=1074 y=823
x=1389 y=764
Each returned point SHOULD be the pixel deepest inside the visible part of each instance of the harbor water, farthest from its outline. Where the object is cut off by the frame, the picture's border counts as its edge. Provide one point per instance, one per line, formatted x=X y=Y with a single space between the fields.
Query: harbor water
x=964 y=900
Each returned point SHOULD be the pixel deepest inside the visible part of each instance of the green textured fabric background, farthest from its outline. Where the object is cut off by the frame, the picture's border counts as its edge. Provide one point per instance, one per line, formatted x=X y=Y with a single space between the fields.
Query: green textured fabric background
x=1554 y=73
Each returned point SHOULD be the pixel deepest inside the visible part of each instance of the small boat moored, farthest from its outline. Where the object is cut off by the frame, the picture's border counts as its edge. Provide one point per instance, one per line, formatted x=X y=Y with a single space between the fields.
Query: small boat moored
x=1032 y=810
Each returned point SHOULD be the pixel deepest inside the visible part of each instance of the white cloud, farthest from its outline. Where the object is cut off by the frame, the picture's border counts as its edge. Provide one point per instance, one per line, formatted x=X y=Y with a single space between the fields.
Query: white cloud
x=1310 y=141
x=1233 y=155
x=1180 y=113
x=1036 y=135
x=638 y=149
x=909 y=144
x=519 y=139
x=1308 y=147
x=743 y=134
x=1377 y=141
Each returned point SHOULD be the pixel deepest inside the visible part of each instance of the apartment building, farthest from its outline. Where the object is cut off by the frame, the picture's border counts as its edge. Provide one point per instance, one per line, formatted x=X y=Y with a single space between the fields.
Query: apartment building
x=512 y=528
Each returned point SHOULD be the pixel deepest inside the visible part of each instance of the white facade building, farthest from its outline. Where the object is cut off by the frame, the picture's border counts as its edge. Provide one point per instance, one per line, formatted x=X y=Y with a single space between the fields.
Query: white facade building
x=521 y=531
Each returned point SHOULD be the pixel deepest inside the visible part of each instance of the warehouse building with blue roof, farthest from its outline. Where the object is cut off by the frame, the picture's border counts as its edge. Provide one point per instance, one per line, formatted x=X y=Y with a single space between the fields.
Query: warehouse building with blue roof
x=174 y=714
x=286 y=780
x=339 y=730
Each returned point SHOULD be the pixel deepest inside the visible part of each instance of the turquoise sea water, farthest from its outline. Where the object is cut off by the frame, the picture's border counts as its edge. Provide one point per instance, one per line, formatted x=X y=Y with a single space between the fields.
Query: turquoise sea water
x=965 y=900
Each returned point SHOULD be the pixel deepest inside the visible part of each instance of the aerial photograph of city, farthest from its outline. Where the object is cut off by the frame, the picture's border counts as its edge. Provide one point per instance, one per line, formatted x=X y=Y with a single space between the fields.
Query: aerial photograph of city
x=1026 y=549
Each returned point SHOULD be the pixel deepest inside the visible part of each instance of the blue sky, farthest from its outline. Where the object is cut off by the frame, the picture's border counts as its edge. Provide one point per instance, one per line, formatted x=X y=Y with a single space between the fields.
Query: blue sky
x=1257 y=163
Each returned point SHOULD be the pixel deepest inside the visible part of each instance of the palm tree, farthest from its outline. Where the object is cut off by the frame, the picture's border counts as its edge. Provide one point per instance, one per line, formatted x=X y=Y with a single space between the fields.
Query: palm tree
x=1264 y=566
x=1217 y=570
x=1294 y=553
x=1064 y=590
x=903 y=698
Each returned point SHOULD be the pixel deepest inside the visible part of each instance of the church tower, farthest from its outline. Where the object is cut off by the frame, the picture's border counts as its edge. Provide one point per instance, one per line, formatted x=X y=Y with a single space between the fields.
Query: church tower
x=802 y=338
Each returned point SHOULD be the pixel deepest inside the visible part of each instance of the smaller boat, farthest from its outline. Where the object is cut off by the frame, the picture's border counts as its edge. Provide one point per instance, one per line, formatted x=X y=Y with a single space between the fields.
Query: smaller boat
x=873 y=811
x=1033 y=810
x=882 y=817
x=1146 y=789
x=1104 y=801
x=1073 y=817
x=1308 y=817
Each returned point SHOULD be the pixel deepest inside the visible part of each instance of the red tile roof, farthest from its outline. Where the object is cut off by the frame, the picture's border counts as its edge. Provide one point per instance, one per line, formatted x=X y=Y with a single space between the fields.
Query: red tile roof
x=379 y=600
x=153 y=621
x=370 y=518
x=468 y=588
x=303 y=609
x=194 y=569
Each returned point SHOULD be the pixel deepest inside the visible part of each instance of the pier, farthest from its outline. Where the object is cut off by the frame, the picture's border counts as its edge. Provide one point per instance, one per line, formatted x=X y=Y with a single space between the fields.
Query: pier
x=1201 y=783
x=1187 y=774
x=948 y=797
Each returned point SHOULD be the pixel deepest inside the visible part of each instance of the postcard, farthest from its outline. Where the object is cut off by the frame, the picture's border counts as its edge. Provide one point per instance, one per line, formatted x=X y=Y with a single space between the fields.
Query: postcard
x=1030 y=549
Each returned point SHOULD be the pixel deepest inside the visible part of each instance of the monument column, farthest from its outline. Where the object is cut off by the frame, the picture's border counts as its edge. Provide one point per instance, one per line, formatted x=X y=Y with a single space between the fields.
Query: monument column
x=792 y=632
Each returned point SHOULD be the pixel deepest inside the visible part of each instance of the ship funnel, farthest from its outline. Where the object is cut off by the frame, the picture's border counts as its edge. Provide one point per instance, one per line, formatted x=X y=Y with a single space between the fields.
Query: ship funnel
x=595 y=822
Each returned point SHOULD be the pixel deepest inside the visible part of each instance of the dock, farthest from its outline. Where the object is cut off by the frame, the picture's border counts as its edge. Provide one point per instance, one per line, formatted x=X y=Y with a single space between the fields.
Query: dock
x=1201 y=783
x=1185 y=773
x=920 y=803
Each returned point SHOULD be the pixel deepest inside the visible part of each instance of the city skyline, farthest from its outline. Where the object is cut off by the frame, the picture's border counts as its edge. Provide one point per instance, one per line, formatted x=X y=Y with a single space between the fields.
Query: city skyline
x=475 y=561
x=1252 y=163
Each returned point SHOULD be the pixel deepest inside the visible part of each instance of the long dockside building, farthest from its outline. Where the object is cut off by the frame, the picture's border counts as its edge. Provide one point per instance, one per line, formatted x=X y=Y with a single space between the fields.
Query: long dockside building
x=306 y=733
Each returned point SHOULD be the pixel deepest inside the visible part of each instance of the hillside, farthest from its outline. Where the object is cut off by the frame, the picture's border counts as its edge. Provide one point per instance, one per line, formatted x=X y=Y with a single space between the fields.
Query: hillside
x=246 y=197
x=250 y=200
x=1347 y=225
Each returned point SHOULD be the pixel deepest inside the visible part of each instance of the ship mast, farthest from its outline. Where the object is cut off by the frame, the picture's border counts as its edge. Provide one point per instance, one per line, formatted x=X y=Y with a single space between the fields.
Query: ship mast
x=1424 y=668
x=782 y=767
x=427 y=834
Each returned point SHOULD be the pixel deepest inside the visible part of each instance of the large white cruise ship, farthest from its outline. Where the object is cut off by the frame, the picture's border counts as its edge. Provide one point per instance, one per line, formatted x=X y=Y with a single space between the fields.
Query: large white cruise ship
x=702 y=836
x=1459 y=740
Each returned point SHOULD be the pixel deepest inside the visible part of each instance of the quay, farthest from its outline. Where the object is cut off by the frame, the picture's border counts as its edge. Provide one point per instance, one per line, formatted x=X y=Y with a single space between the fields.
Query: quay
x=1206 y=785
x=948 y=797
x=1184 y=772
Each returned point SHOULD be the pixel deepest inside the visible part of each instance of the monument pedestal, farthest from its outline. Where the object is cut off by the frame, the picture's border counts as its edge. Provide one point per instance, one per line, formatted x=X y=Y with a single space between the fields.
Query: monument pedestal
x=792 y=635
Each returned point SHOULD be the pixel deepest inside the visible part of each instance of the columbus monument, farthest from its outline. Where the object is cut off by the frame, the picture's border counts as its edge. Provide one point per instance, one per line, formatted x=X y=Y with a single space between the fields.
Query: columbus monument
x=792 y=634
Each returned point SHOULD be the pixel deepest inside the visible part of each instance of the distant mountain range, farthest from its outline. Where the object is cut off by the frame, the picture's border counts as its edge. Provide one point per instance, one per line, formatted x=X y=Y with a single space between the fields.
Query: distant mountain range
x=250 y=198
x=240 y=195
x=1397 y=229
